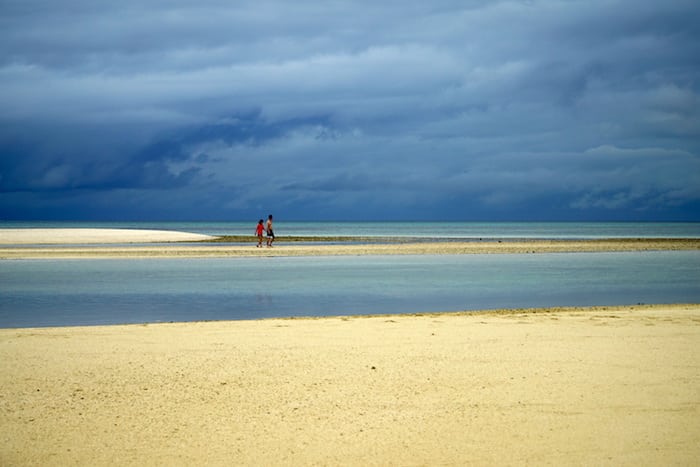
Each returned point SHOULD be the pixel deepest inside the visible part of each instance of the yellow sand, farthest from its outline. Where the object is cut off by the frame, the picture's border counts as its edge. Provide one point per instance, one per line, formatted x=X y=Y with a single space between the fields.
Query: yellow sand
x=99 y=243
x=615 y=386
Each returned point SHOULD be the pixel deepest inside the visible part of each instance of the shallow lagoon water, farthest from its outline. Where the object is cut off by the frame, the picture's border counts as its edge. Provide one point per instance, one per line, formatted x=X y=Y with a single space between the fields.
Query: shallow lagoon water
x=89 y=292
x=419 y=230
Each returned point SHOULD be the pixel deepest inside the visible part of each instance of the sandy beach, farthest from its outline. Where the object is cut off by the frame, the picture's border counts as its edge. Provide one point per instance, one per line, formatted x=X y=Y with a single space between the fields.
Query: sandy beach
x=602 y=386
x=568 y=386
x=109 y=243
x=92 y=236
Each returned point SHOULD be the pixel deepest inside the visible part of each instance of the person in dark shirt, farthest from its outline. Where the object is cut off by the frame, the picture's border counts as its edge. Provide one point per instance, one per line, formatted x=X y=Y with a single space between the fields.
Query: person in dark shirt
x=270 y=232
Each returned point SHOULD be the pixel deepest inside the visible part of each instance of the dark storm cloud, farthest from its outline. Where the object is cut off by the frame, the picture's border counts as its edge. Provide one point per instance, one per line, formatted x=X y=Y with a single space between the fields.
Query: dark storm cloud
x=527 y=109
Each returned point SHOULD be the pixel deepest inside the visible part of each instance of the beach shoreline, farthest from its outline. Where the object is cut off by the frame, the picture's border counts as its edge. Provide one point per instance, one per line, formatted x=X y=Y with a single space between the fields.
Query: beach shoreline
x=611 y=385
x=604 y=385
x=124 y=243
x=91 y=236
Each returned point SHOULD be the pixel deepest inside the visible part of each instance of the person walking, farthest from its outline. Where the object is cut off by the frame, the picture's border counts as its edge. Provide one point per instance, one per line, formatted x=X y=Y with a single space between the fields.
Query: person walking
x=259 y=229
x=270 y=232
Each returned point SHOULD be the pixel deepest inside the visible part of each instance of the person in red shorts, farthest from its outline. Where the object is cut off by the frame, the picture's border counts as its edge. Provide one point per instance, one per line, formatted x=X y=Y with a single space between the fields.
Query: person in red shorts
x=259 y=229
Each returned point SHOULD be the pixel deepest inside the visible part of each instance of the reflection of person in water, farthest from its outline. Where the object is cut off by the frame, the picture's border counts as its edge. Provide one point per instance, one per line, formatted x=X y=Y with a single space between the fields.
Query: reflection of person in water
x=259 y=229
x=270 y=232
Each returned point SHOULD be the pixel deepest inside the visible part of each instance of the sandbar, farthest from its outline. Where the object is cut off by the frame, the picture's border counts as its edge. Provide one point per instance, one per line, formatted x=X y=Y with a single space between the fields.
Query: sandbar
x=93 y=236
x=568 y=386
x=100 y=243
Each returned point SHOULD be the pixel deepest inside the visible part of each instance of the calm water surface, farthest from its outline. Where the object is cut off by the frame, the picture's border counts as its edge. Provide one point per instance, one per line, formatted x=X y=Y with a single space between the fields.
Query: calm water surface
x=456 y=230
x=73 y=292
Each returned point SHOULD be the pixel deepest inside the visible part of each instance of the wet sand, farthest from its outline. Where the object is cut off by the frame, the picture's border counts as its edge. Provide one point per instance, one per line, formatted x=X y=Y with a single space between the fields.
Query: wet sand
x=573 y=386
x=100 y=243
x=601 y=386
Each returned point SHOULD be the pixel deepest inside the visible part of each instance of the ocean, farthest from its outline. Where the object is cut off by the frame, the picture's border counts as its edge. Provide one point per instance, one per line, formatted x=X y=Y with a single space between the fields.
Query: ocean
x=426 y=230
x=91 y=292
x=117 y=291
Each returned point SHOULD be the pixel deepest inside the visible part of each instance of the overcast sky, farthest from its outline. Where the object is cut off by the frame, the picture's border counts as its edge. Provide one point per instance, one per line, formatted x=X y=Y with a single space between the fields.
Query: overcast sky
x=350 y=110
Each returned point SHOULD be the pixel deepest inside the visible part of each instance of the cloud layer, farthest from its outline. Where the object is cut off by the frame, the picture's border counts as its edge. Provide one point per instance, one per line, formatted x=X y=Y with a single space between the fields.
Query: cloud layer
x=521 y=110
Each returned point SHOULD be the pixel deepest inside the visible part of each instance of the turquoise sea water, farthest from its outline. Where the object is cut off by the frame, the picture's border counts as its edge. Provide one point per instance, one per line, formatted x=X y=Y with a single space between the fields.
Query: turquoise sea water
x=438 y=230
x=86 y=292
x=71 y=292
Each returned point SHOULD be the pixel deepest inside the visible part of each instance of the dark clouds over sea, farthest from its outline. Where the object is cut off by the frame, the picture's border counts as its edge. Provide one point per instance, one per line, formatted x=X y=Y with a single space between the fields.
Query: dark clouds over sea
x=475 y=110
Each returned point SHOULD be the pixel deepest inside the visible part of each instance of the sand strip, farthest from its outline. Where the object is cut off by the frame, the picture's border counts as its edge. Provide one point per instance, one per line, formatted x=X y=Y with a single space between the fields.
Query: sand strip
x=89 y=236
x=22 y=241
x=615 y=386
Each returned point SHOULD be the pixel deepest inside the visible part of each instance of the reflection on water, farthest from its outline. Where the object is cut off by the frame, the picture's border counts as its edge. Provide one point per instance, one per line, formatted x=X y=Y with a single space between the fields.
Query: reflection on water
x=65 y=292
